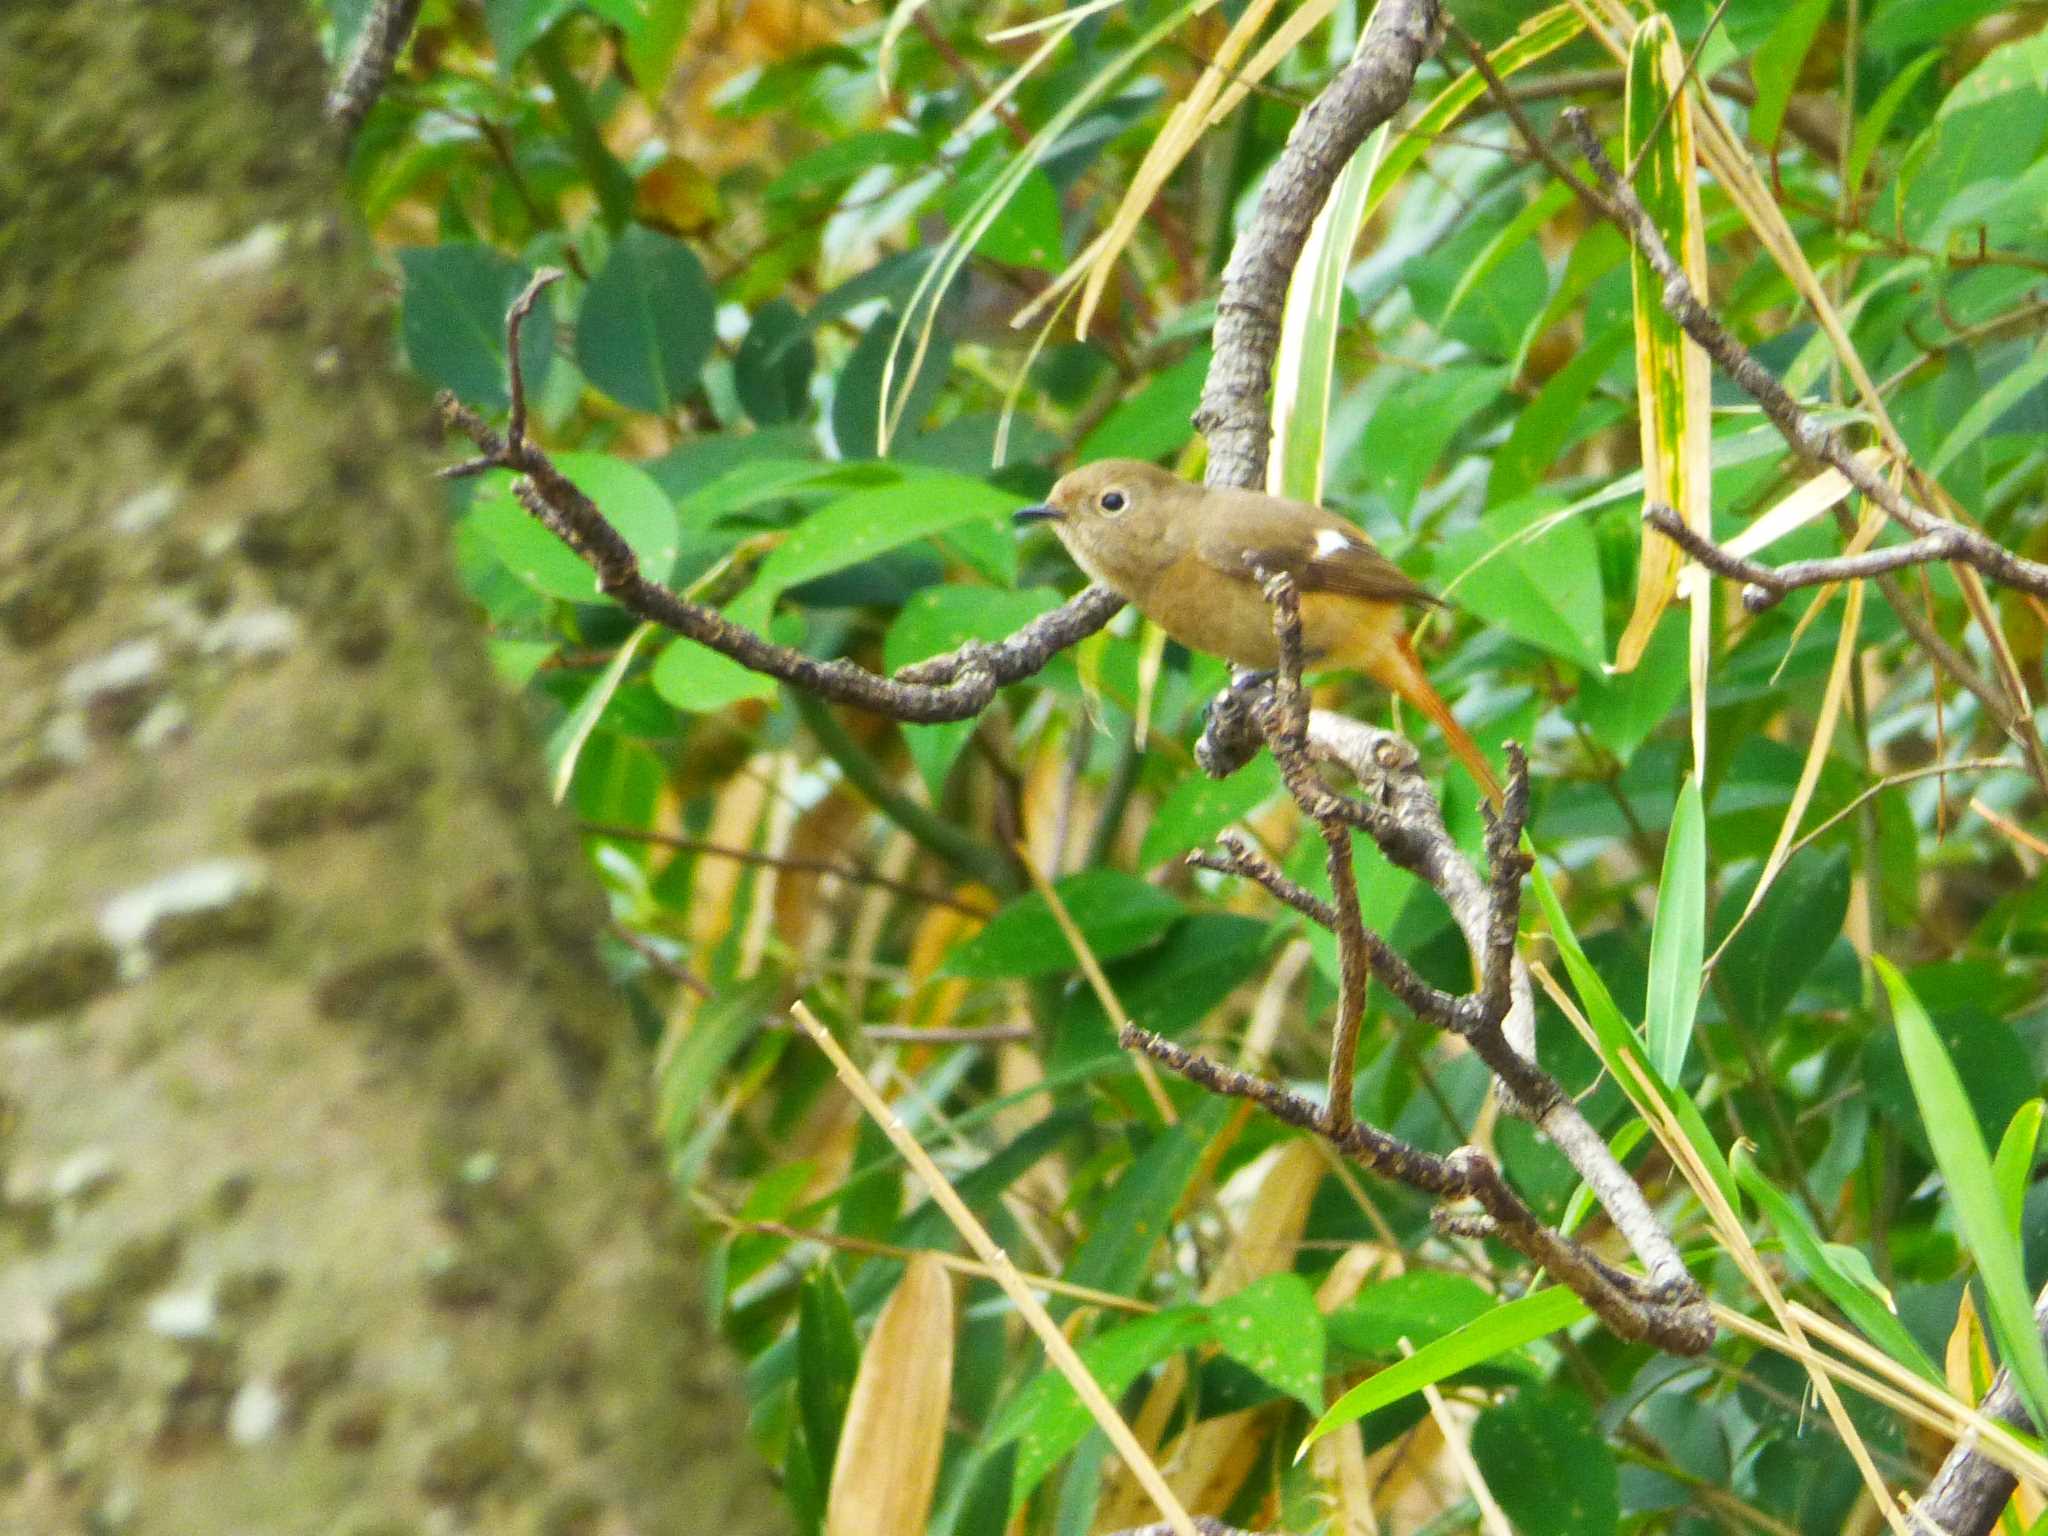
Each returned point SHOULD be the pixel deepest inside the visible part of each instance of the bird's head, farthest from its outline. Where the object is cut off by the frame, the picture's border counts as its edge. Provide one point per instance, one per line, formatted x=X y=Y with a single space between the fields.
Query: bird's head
x=1123 y=520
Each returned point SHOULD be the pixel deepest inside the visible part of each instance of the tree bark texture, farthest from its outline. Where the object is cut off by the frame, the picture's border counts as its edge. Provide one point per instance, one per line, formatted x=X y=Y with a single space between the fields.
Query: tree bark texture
x=327 y=1201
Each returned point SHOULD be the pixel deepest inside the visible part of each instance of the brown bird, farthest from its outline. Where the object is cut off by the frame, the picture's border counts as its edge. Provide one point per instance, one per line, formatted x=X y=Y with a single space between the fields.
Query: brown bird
x=1194 y=560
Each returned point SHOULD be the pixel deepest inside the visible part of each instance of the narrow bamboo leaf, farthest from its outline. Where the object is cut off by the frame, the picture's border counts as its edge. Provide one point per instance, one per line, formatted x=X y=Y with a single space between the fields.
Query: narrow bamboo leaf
x=1872 y=124
x=828 y=1356
x=1504 y=1328
x=566 y=745
x=1988 y=407
x=1308 y=330
x=1678 y=942
x=1117 y=914
x=1672 y=379
x=1621 y=1051
x=1966 y=1168
x=1775 y=68
x=1140 y=1209
x=1824 y=1266
x=2014 y=1164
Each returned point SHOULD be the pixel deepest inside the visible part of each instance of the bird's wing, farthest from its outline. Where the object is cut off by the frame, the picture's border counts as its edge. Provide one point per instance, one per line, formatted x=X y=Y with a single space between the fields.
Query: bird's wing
x=1321 y=552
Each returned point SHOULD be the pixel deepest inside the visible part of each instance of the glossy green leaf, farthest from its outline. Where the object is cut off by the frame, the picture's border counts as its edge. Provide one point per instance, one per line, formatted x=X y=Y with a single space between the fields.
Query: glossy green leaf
x=452 y=319
x=1507 y=1327
x=938 y=619
x=1965 y=1166
x=1273 y=1329
x=1153 y=422
x=857 y=389
x=1199 y=807
x=1025 y=231
x=515 y=25
x=1420 y=1306
x=867 y=523
x=1047 y=1419
x=1548 y=1464
x=1412 y=431
x=1987 y=408
x=1790 y=932
x=2014 y=1163
x=1115 y=912
x=1539 y=584
x=1679 y=938
x=624 y=492
x=1775 y=66
x=828 y=1356
x=648 y=322
x=1842 y=1285
x=1141 y=1207
x=566 y=744
x=772 y=369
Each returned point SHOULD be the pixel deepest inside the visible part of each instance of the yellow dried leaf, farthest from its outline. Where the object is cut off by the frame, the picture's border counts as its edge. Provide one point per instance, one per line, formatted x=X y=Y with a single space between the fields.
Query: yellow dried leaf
x=888 y=1461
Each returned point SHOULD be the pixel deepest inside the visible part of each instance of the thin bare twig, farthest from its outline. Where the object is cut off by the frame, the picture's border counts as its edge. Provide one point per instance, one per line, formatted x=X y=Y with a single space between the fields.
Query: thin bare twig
x=955 y=686
x=1765 y=586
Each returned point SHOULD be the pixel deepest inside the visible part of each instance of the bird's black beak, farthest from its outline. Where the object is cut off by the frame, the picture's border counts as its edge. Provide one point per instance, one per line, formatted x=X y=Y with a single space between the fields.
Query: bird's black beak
x=1038 y=514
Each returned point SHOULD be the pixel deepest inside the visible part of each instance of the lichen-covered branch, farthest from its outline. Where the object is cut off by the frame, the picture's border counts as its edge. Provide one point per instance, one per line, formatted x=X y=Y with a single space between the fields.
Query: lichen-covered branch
x=955 y=686
x=368 y=70
x=1970 y=1491
x=1368 y=92
x=1765 y=586
x=1400 y=813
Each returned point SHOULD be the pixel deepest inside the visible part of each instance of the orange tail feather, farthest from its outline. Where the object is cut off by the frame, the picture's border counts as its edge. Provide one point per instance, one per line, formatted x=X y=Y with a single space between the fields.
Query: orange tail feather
x=1413 y=684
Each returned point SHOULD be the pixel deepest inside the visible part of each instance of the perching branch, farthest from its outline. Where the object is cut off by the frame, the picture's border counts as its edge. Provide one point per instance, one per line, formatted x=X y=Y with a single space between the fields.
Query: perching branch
x=1370 y=90
x=368 y=70
x=1765 y=586
x=955 y=686
x=1497 y=1018
x=1971 y=1490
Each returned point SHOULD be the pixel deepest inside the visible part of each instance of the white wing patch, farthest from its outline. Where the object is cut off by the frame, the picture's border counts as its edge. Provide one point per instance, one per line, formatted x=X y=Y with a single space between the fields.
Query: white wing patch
x=1330 y=542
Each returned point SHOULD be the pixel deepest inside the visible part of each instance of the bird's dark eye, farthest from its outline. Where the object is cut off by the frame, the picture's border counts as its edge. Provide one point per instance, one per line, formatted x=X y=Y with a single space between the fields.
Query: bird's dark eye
x=1113 y=501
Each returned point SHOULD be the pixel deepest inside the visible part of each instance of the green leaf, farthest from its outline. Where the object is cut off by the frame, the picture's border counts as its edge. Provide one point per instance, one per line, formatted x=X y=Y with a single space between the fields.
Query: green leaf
x=827 y=1355
x=1555 y=418
x=1621 y=709
x=1966 y=1168
x=1273 y=1329
x=452 y=319
x=2014 y=1163
x=1047 y=1419
x=652 y=45
x=857 y=388
x=1539 y=584
x=865 y=524
x=1620 y=1051
x=1577 y=1492
x=1025 y=231
x=772 y=369
x=624 y=492
x=1986 y=409
x=1678 y=940
x=514 y=25
x=936 y=620
x=1116 y=913
x=1799 y=920
x=1153 y=422
x=648 y=322
x=566 y=744
x=1199 y=807
x=1775 y=66
x=1872 y=125
x=700 y=681
x=1305 y=366
x=1420 y=1306
x=1858 y=1302
x=1168 y=987
x=1412 y=430
x=1140 y=1209
x=1504 y=1328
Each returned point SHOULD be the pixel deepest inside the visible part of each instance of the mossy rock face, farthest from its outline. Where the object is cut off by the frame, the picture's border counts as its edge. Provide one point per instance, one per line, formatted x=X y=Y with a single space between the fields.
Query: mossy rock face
x=67 y=586
x=56 y=974
x=469 y=1462
x=406 y=992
